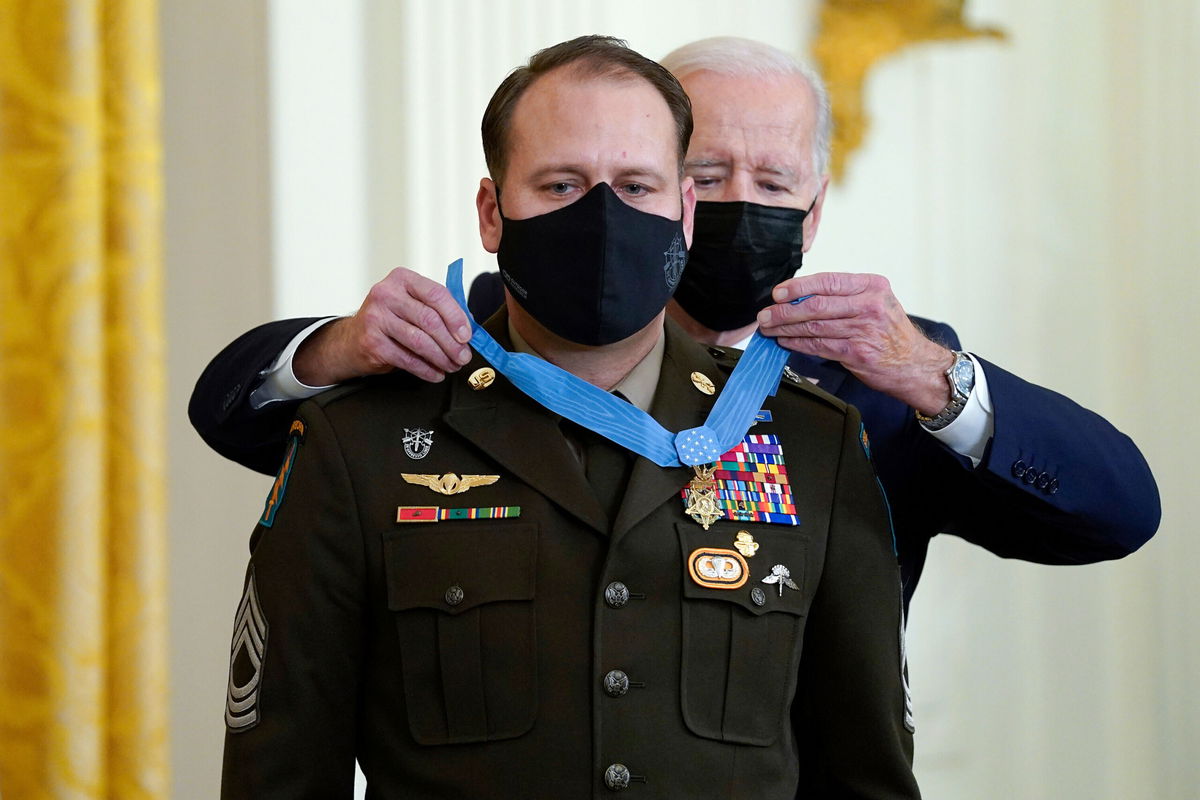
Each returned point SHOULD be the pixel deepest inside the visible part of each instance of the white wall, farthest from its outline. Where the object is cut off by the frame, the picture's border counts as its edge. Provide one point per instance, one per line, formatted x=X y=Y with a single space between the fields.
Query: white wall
x=1039 y=193
x=218 y=262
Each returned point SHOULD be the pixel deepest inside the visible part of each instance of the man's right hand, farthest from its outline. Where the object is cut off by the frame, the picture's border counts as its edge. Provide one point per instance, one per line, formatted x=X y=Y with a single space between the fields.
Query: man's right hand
x=406 y=322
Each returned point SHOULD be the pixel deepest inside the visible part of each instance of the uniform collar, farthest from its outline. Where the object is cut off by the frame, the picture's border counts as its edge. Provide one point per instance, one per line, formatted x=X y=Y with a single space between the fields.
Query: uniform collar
x=639 y=384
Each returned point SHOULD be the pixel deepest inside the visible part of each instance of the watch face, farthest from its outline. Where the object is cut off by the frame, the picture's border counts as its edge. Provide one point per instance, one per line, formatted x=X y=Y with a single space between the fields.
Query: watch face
x=962 y=375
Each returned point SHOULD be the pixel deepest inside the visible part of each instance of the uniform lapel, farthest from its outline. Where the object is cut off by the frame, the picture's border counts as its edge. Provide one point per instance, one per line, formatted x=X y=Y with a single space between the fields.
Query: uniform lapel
x=522 y=436
x=677 y=406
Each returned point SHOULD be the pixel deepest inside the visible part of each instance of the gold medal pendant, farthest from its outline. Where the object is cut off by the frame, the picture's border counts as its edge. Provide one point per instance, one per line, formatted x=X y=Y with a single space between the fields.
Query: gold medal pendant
x=702 y=496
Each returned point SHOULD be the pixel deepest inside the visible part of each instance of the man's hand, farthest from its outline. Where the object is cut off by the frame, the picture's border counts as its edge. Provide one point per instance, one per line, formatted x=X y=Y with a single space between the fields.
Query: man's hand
x=407 y=322
x=855 y=319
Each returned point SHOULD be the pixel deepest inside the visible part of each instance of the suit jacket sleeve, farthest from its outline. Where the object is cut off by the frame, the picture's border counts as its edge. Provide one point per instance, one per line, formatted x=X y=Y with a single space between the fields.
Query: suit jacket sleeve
x=1058 y=483
x=850 y=709
x=294 y=735
x=220 y=405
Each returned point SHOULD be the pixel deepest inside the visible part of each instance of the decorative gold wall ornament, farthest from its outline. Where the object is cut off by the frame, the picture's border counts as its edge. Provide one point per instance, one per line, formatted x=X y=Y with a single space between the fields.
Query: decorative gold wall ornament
x=855 y=34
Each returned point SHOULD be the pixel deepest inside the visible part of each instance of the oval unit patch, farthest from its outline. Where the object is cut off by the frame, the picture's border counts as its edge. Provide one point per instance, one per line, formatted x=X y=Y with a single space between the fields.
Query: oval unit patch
x=715 y=568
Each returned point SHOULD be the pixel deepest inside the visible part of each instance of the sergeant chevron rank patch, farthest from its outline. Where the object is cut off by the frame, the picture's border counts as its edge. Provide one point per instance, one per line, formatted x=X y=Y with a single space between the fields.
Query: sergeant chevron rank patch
x=246 y=655
x=752 y=483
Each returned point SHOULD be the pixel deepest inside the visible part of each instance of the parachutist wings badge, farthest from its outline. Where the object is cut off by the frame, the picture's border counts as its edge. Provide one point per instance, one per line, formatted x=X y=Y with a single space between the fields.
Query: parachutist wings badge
x=449 y=483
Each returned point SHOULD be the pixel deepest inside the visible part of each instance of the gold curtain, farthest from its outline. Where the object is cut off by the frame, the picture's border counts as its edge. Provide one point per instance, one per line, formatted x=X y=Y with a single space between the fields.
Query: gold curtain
x=83 y=651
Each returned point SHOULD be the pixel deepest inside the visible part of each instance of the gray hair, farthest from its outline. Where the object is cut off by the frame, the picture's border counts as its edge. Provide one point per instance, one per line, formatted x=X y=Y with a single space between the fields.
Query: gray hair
x=732 y=55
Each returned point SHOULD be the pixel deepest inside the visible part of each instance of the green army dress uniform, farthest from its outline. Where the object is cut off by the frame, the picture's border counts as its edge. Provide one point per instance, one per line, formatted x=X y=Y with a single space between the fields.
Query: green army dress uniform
x=558 y=653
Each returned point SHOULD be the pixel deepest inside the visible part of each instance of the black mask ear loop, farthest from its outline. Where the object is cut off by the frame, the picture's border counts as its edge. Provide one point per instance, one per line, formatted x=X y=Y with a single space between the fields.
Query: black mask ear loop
x=500 y=208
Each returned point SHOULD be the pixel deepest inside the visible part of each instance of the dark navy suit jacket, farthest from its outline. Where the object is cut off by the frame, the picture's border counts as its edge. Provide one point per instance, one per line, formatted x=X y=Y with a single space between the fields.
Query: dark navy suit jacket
x=1058 y=484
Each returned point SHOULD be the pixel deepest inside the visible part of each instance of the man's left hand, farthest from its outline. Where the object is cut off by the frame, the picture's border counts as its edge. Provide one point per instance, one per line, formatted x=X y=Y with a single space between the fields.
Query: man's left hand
x=855 y=319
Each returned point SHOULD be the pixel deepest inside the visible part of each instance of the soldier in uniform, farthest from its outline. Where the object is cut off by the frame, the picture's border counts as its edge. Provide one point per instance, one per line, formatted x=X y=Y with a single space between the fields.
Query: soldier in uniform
x=475 y=597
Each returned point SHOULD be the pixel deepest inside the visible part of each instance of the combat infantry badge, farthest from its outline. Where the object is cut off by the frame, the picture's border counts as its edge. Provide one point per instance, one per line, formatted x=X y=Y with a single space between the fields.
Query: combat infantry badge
x=417 y=442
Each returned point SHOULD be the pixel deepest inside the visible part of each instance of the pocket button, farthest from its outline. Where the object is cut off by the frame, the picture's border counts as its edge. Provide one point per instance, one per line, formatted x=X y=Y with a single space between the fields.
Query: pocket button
x=454 y=595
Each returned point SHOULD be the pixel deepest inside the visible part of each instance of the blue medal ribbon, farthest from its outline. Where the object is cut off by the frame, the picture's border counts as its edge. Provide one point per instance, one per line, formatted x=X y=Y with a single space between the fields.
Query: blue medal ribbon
x=755 y=377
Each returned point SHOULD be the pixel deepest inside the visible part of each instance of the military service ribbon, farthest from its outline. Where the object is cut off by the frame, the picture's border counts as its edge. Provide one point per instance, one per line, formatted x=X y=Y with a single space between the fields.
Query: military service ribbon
x=755 y=377
x=437 y=513
x=749 y=484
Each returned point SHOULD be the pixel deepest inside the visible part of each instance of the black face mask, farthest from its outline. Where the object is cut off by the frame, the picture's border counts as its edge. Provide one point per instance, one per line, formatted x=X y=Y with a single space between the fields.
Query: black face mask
x=740 y=252
x=594 y=272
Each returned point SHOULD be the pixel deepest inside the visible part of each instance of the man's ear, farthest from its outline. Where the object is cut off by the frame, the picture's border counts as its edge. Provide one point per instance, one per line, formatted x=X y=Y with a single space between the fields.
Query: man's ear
x=812 y=220
x=687 y=194
x=488 y=209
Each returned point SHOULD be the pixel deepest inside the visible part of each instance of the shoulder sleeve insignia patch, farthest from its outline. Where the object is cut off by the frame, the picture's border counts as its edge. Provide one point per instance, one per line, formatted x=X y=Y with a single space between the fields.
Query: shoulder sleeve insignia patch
x=864 y=440
x=275 y=498
x=246 y=654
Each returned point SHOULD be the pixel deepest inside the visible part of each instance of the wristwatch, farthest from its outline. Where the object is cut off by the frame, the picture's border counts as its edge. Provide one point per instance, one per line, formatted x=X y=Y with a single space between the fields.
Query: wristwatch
x=961 y=377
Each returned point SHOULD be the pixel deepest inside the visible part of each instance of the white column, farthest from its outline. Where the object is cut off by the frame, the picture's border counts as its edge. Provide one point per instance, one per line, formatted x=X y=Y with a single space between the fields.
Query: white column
x=319 y=168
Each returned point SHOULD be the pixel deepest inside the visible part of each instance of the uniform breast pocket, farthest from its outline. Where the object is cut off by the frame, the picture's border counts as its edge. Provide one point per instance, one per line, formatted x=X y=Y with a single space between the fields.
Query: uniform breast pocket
x=742 y=637
x=462 y=597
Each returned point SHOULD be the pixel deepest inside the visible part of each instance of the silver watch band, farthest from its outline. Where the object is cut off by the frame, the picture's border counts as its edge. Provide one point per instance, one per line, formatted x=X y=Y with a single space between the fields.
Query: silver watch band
x=961 y=377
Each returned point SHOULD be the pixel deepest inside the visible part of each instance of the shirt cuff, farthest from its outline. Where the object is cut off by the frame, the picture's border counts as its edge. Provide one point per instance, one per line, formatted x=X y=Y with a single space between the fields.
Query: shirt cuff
x=970 y=432
x=279 y=381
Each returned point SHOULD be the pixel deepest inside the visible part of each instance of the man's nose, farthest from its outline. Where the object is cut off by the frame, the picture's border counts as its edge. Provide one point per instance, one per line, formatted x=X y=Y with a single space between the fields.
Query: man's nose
x=739 y=188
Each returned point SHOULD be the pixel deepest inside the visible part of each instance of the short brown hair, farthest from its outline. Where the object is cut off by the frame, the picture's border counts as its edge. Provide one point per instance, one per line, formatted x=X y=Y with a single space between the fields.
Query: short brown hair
x=595 y=56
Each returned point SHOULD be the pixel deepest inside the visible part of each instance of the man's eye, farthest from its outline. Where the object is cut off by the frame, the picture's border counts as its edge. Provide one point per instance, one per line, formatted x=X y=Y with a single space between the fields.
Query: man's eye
x=771 y=188
x=705 y=182
x=560 y=188
x=635 y=189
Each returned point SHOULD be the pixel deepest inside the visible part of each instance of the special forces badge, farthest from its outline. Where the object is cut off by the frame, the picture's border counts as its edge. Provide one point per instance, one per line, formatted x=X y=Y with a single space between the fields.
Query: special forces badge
x=417 y=442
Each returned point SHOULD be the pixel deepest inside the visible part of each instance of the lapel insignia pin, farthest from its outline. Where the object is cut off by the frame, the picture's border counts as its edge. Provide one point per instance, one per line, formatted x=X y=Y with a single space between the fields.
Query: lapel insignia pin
x=701 y=495
x=701 y=382
x=745 y=544
x=482 y=378
x=792 y=375
x=417 y=442
x=714 y=568
x=449 y=483
x=782 y=576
